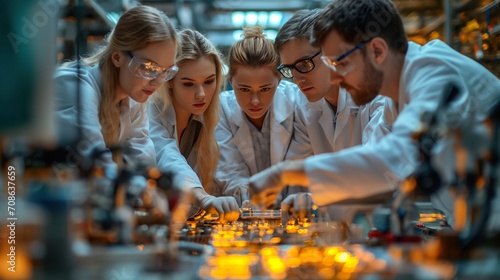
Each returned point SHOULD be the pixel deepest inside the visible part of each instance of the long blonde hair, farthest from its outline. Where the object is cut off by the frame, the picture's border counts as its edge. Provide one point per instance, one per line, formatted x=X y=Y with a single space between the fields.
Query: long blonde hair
x=136 y=29
x=254 y=50
x=193 y=45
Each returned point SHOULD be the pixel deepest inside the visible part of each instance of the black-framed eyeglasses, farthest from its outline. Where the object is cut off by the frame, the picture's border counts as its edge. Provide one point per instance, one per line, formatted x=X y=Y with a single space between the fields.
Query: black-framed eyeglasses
x=338 y=65
x=303 y=66
x=148 y=70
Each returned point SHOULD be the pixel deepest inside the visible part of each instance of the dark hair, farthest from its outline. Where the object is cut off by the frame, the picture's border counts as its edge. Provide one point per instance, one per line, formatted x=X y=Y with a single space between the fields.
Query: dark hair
x=299 y=26
x=360 y=20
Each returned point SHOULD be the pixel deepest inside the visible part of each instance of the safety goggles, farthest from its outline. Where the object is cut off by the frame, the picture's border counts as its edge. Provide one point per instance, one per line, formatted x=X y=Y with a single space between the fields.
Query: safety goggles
x=338 y=64
x=148 y=70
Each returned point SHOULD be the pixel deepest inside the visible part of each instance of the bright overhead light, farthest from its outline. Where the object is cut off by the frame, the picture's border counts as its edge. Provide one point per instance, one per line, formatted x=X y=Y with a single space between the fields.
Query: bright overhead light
x=237 y=35
x=271 y=34
x=263 y=19
x=251 y=18
x=238 y=19
x=275 y=19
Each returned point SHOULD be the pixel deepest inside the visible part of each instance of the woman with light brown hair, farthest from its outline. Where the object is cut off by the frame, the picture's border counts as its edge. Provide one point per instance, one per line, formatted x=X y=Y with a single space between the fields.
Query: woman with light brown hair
x=257 y=119
x=183 y=119
x=136 y=59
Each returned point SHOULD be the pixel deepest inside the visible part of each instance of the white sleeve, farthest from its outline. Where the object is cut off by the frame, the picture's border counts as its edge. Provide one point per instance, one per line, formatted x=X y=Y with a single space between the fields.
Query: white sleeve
x=168 y=155
x=232 y=172
x=381 y=115
x=361 y=171
x=66 y=115
x=139 y=145
x=300 y=145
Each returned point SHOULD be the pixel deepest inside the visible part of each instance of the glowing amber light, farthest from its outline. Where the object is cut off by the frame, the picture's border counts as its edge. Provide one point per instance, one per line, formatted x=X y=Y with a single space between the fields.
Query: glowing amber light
x=343 y=276
x=275 y=240
x=268 y=251
x=328 y=261
x=293 y=262
x=326 y=273
x=352 y=262
x=151 y=183
x=276 y=265
x=140 y=247
x=350 y=265
x=293 y=252
x=342 y=257
x=154 y=173
x=218 y=273
x=331 y=251
x=240 y=243
x=22 y=264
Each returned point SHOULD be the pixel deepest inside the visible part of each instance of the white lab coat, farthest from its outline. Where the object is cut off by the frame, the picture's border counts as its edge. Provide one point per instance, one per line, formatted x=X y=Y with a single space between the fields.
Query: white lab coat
x=134 y=127
x=237 y=156
x=315 y=132
x=361 y=172
x=166 y=143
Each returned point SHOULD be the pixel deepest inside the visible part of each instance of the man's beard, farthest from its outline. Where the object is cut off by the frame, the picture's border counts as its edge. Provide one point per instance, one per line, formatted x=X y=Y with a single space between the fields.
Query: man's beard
x=370 y=86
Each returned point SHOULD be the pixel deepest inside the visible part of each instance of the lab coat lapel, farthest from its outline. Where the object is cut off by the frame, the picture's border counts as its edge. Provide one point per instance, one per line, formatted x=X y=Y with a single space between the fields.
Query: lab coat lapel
x=326 y=121
x=343 y=113
x=171 y=122
x=243 y=139
x=281 y=127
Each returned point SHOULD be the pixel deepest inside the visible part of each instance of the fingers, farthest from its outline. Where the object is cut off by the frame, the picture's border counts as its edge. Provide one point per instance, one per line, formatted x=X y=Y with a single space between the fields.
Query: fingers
x=228 y=209
x=268 y=180
x=246 y=205
x=298 y=205
x=285 y=209
x=268 y=199
x=245 y=195
x=303 y=207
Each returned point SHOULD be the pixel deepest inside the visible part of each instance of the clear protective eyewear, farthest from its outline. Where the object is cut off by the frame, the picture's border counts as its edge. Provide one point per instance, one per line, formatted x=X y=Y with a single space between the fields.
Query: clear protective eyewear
x=338 y=64
x=148 y=70
x=302 y=66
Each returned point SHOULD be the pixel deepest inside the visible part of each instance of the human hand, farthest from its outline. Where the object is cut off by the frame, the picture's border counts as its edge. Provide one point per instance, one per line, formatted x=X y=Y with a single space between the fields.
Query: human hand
x=297 y=205
x=225 y=206
x=266 y=185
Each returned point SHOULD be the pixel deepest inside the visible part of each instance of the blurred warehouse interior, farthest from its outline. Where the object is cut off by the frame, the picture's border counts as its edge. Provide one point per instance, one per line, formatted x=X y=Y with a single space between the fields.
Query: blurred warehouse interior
x=43 y=33
x=471 y=26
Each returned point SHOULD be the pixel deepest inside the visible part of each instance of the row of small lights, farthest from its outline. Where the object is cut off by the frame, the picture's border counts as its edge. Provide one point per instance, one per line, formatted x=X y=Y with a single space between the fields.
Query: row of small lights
x=262 y=18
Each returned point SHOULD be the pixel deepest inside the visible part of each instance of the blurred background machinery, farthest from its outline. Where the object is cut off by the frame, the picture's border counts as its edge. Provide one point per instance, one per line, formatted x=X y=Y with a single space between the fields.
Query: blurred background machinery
x=470 y=26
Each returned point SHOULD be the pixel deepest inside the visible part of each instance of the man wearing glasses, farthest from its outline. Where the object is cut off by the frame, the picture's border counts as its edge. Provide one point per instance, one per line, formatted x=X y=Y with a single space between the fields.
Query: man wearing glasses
x=365 y=46
x=327 y=119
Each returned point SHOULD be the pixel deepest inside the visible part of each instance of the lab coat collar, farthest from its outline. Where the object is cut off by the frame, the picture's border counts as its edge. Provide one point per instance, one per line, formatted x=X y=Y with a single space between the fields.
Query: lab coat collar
x=243 y=140
x=343 y=117
x=327 y=116
x=172 y=121
x=170 y=115
x=237 y=114
x=285 y=107
x=281 y=126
